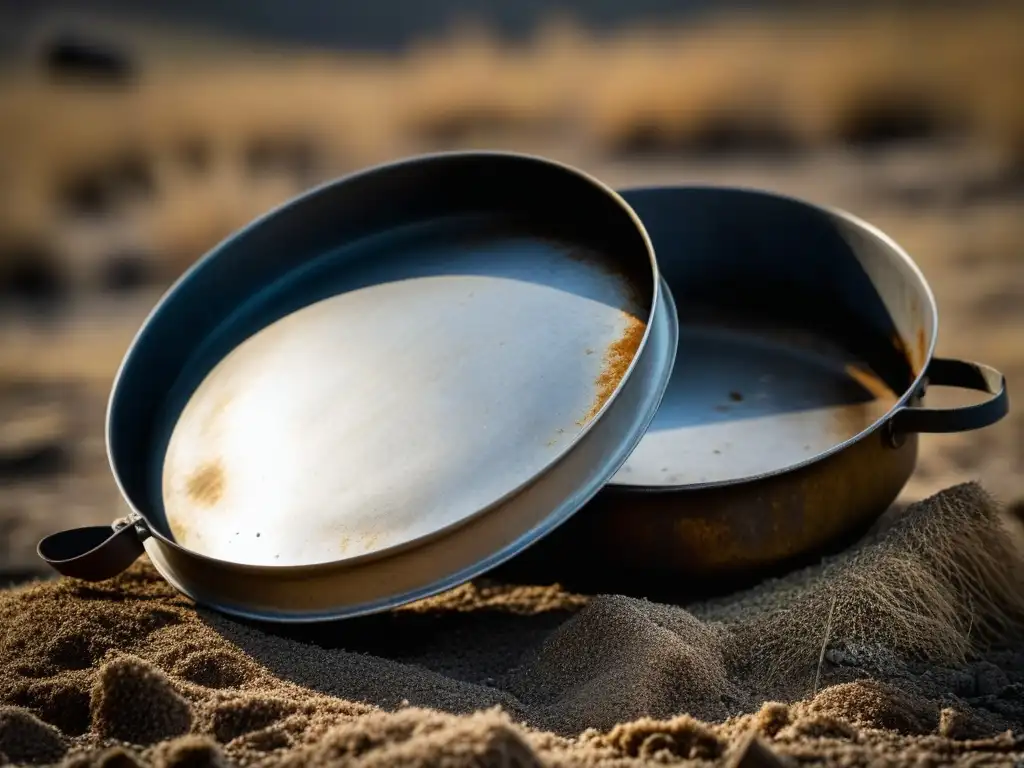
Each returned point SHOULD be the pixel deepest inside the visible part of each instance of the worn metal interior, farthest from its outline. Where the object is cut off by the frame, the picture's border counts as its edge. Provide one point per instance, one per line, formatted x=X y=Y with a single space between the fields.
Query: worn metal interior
x=802 y=331
x=799 y=334
x=446 y=367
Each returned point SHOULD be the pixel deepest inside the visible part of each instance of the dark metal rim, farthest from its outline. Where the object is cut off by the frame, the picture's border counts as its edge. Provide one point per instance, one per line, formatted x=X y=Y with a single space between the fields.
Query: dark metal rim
x=97 y=553
x=145 y=527
x=903 y=403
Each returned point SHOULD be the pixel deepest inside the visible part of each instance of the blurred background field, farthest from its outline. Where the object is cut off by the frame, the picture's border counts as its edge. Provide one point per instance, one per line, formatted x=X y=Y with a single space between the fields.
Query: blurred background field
x=131 y=143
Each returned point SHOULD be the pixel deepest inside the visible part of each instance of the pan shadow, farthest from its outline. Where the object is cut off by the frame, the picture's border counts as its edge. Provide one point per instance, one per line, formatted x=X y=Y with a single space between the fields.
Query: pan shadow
x=464 y=655
x=727 y=376
x=586 y=575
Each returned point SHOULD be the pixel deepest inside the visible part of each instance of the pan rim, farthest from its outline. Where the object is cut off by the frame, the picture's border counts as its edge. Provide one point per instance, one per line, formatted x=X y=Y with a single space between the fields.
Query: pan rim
x=195 y=589
x=865 y=226
x=179 y=285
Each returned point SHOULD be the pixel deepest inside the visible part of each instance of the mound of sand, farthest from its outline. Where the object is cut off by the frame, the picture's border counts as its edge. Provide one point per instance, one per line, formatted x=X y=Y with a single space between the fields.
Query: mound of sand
x=902 y=648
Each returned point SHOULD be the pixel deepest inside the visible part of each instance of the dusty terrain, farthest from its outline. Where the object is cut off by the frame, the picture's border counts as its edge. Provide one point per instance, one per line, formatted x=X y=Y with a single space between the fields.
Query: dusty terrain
x=96 y=232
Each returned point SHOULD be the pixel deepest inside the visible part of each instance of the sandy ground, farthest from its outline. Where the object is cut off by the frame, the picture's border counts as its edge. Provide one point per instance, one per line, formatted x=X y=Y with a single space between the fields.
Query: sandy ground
x=250 y=698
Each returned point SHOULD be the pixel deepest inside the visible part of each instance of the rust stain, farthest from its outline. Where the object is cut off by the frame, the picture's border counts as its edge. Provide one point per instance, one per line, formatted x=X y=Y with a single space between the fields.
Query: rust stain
x=901 y=347
x=211 y=425
x=344 y=544
x=878 y=388
x=370 y=540
x=179 y=532
x=736 y=397
x=617 y=358
x=853 y=418
x=206 y=485
x=915 y=357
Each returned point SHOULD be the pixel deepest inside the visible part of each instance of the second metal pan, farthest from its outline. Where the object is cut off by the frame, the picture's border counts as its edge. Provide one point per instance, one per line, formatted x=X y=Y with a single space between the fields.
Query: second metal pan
x=384 y=388
x=791 y=421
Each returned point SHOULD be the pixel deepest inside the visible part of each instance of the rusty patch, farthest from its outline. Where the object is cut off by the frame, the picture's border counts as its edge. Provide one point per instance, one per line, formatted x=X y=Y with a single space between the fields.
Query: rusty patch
x=206 y=485
x=178 y=531
x=922 y=349
x=853 y=418
x=915 y=357
x=736 y=397
x=878 y=388
x=617 y=358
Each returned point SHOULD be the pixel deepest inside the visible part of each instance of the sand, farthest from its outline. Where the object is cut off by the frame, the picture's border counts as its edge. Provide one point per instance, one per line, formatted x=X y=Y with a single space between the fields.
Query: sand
x=912 y=639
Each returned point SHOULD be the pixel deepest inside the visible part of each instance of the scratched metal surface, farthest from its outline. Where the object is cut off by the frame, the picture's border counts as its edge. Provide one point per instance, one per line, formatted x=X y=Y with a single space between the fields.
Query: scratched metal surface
x=777 y=368
x=441 y=377
x=744 y=404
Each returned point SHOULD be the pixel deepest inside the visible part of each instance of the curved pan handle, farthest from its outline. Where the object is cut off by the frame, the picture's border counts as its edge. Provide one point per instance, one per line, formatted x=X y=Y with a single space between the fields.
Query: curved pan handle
x=943 y=372
x=95 y=553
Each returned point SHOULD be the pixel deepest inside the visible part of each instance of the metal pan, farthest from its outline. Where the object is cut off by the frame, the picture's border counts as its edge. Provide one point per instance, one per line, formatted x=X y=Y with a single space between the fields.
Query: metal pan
x=791 y=420
x=384 y=388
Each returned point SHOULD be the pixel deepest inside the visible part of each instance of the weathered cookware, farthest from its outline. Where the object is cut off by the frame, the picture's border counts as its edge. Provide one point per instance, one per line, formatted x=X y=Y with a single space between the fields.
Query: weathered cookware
x=791 y=420
x=384 y=388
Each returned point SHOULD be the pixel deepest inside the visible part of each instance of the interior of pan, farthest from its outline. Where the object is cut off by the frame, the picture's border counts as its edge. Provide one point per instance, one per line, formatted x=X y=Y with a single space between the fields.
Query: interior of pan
x=800 y=330
x=380 y=360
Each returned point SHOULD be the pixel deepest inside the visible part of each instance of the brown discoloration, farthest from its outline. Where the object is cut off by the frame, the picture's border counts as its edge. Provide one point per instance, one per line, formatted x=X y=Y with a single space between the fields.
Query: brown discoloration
x=183 y=533
x=904 y=351
x=220 y=406
x=915 y=355
x=617 y=359
x=851 y=419
x=736 y=397
x=206 y=485
x=878 y=388
x=921 y=348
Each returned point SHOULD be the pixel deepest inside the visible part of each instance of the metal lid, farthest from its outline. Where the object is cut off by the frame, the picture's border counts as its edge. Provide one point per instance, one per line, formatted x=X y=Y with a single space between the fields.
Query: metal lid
x=463 y=343
x=427 y=391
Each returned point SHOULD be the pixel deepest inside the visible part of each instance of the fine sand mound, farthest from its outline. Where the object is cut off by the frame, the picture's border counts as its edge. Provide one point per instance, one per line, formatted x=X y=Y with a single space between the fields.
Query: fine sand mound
x=900 y=649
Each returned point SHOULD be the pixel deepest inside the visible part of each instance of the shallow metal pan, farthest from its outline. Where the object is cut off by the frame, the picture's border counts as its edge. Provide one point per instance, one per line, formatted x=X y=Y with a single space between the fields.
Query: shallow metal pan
x=384 y=388
x=791 y=421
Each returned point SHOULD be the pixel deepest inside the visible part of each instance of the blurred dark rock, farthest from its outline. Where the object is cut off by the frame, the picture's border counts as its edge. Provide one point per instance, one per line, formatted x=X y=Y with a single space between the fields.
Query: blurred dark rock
x=126 y=271
x=30 y=273
x=76 y=57
x=97 y=191
x=882 y=118
x=714 y=136
x=195 y=154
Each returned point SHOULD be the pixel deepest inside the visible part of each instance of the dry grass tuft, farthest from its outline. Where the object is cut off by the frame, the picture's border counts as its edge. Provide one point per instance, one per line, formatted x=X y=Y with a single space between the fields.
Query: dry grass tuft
x=936 y=585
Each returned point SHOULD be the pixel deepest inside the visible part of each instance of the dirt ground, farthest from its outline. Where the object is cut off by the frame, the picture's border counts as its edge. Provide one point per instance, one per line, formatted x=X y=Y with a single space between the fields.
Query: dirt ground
x=956 y=208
